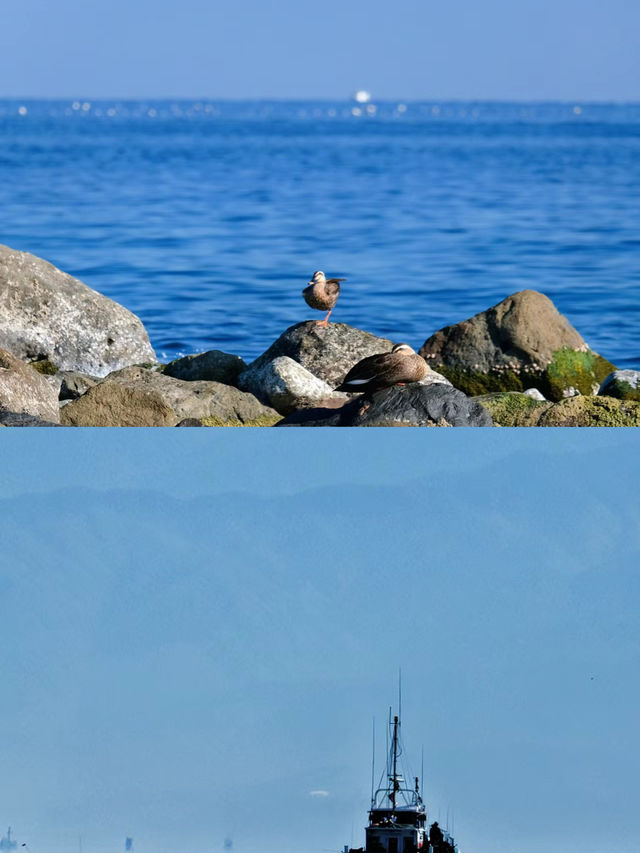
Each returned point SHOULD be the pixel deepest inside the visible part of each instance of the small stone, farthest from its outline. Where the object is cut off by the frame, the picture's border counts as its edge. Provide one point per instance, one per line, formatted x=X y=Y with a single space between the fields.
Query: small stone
x=535 y=394
x=212 y=366
x=74 y=384
x=621 y=384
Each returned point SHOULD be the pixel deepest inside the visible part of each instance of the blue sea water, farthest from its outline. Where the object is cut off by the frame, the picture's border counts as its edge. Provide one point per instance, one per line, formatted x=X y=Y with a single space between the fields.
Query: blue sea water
x=208 y=218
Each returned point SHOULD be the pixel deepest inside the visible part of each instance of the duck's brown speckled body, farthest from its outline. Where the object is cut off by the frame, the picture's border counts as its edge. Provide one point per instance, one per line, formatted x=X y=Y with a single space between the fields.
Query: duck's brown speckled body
x=322 y=294
x=400 y=366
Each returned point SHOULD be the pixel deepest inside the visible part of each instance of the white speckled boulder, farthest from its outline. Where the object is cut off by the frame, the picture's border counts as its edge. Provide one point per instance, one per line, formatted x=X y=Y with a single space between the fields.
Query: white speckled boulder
x=286 y=385
x=45 y=313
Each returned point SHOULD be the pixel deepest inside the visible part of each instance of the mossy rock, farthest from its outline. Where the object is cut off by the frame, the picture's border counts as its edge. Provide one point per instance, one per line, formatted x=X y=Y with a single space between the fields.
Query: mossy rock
x=623 y=385
x=592 y=412
x=513 y=409
x=264 y=421
x=44 y=366
x=583 y=371
x=475 y=383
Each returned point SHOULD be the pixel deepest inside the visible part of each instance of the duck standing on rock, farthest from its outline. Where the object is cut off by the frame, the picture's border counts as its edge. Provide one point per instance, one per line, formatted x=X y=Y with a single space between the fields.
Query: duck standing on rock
x=322 y=294
x=401 y=365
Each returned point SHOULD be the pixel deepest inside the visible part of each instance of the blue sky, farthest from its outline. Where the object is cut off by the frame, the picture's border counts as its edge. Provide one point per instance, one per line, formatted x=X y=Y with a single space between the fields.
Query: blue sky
x=195 y=622
x=533 y=49
x=185 y=465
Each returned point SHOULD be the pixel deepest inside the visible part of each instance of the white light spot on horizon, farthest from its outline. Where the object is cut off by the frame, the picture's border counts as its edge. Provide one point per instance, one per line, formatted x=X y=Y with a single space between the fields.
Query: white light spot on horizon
x=402 y=108
x=22 y=111
x=76 y=105
x=152 y=112
x=577 y=110
x=356 y=111
x=318 y=793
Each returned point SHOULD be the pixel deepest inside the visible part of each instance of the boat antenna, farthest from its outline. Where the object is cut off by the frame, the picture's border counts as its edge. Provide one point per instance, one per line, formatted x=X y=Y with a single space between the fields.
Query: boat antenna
x=388 y=756
x=373 y=763
x=422 y=772
x=399 y=693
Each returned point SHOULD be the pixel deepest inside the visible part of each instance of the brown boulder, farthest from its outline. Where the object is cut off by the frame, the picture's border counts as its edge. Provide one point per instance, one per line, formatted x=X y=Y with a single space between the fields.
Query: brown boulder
x=136 y=396
x=520 y=343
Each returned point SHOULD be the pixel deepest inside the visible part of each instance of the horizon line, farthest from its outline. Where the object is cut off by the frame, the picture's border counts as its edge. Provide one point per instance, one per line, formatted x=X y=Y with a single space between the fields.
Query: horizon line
x=325 y=99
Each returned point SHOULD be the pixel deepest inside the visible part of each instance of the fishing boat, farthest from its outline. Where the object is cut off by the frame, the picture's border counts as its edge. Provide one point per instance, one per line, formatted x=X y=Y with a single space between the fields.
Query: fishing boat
x=398 y=820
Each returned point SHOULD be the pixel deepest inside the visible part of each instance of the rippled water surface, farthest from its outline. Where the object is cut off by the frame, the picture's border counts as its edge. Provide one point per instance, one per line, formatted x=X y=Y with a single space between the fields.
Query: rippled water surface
x=207 y=219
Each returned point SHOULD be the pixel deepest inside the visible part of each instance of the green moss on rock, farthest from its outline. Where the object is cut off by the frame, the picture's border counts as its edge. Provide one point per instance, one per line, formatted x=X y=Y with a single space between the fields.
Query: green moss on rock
x=475 y=383
x=44 y=366
x=584 y=371
x=512 y=409
x=264 y=421
x=592 y=412
x=619 y=388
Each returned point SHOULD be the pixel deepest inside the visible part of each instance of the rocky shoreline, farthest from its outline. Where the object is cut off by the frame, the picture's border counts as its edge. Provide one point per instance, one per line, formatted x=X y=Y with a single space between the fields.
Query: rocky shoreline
x=71 y=357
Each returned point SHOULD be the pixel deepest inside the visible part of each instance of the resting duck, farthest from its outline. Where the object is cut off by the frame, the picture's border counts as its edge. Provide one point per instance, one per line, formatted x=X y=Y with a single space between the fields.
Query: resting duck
x=401 y=365
x=322 y=294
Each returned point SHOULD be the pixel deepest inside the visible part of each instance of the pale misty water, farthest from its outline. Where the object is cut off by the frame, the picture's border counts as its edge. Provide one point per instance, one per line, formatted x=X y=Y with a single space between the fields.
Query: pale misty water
x=206 y=219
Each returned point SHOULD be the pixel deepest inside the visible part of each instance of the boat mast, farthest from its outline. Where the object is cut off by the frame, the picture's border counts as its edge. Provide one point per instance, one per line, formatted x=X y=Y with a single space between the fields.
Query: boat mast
x=373 y=765
x=394 y=780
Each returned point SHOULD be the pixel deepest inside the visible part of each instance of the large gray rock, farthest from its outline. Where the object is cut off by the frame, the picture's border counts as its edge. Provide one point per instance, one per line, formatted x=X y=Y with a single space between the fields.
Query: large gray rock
x=45 y=313
x=286 y=385
x=212 y=366
x=523 y=342
x=24 y=390
x=136 y=396
x=623 y=384
x=329 y=353
x=436 y=404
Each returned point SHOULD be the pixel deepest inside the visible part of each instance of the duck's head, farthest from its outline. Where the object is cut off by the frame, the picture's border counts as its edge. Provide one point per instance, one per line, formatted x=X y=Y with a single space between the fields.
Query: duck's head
x=403 y=348
x=318 y=277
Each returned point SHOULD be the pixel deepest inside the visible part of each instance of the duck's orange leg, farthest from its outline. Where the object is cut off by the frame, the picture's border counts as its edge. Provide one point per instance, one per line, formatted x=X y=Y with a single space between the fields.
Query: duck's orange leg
x=325 y=321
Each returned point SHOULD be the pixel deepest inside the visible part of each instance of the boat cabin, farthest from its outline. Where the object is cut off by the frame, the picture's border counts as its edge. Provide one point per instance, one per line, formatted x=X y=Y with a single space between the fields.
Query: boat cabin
x=399 y=831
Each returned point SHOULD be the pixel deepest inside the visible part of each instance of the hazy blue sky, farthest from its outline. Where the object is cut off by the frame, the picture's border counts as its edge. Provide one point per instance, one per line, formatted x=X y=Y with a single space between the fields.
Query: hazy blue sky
x=186 y=465
x=188 y=669
x=497 y=49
